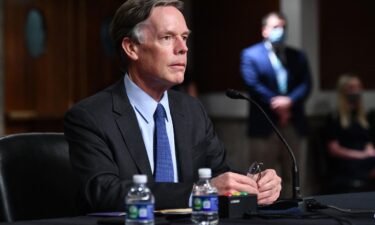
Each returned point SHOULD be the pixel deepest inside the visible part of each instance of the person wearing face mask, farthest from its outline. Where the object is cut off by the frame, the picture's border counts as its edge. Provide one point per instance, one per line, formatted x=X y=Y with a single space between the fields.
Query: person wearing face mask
x=278 y=78
x=349 y=144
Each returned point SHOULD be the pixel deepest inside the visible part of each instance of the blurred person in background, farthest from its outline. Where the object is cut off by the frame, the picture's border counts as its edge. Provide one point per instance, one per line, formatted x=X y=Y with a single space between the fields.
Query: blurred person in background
x=349 y=142
x=278 y=78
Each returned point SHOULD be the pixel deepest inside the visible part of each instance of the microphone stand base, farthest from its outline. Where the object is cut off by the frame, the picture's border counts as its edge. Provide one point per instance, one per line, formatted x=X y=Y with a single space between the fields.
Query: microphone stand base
x=280 y=207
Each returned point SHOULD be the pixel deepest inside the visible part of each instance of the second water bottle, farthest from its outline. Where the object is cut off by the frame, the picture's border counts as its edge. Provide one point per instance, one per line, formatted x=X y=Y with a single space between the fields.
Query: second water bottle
x=139 y=203
x=205 y=200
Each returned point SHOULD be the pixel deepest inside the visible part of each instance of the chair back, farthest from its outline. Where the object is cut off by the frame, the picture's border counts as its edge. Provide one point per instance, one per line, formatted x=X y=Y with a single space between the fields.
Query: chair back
x=36 y=178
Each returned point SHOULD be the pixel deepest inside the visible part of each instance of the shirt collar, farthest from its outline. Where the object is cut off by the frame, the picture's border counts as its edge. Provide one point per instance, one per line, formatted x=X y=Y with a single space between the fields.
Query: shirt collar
x=268 y=45
x=143 y=103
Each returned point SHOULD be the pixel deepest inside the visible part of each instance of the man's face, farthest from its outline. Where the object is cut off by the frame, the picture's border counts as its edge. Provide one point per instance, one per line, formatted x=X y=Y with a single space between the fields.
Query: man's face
x=162 y=52
x=273 y=22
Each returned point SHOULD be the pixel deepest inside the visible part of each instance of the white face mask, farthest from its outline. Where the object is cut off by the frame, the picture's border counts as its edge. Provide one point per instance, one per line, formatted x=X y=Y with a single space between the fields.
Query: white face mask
x=277 y=35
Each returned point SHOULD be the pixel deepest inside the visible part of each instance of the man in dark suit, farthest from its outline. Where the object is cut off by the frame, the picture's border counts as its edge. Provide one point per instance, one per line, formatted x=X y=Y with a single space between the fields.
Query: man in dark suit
x=111 y=134
x=278 y=78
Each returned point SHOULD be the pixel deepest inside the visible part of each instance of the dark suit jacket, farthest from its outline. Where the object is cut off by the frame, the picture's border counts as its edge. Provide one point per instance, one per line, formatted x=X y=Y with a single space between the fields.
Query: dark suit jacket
x=107 y=149
x=260 y=78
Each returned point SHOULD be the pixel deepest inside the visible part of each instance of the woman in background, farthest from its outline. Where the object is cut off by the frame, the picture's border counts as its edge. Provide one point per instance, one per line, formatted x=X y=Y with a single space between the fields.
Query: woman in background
x=349 y=141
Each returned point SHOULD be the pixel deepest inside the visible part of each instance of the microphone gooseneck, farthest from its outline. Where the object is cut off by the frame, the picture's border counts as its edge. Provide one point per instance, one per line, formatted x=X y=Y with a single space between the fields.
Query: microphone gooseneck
x=234 y=94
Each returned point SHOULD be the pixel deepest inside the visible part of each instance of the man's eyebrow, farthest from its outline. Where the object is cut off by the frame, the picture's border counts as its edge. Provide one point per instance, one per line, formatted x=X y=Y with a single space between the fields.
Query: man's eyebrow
x=171 y=32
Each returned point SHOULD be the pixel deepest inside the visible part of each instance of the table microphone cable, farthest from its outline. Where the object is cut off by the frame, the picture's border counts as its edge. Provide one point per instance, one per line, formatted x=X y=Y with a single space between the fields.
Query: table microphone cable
x=313 y=205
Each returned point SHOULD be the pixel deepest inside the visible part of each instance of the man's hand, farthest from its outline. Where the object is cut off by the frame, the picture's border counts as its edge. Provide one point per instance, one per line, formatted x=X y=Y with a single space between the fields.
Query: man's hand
x=269 y=187
x=231 y=182
x=281 y=105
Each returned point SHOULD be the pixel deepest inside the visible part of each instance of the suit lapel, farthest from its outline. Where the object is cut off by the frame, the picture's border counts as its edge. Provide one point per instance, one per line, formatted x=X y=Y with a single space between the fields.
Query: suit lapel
x=270 y=69
x=267 y=60
x=180 y=125
x=129 y=128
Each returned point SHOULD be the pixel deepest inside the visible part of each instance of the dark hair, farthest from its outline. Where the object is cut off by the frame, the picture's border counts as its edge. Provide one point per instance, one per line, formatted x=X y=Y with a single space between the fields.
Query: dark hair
x=271 y=14
x=129 y=15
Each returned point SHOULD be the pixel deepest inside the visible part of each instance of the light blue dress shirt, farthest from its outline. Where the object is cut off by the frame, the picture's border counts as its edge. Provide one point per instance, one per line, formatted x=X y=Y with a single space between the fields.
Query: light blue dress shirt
x=144 y=106
x=281 y=72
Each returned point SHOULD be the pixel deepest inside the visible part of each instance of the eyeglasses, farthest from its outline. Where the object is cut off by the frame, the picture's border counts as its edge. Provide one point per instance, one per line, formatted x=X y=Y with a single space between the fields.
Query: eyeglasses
x=255 y=168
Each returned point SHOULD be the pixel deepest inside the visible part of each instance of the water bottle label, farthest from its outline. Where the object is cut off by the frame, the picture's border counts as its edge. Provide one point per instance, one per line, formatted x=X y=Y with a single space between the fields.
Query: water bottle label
x=205 y=203
x=140 y=212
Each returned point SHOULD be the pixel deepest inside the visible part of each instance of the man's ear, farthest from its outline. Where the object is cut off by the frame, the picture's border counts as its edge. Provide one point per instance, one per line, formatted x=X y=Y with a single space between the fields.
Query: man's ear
x=264 y=33
x=130 y=48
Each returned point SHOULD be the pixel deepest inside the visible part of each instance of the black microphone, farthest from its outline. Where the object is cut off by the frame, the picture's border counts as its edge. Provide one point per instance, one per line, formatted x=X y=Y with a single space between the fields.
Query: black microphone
x=234 y=94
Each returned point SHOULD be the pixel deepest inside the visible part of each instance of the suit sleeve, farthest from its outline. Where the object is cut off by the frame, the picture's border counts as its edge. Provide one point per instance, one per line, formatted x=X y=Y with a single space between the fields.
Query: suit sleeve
x=92 y=159
x=302 y=90
x=250 y=73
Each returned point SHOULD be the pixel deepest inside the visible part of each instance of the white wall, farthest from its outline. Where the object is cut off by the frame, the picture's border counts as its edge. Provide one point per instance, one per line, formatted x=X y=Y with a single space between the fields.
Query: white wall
x=303 y=33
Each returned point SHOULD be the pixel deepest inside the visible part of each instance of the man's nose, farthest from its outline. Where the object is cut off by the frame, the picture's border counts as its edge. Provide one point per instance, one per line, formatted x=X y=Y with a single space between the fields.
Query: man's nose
x=181 y=46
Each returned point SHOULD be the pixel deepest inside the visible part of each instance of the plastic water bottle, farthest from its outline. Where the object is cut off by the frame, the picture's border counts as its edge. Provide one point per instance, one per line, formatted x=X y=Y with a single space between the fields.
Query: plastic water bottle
x=205 y=200
x=139 y=203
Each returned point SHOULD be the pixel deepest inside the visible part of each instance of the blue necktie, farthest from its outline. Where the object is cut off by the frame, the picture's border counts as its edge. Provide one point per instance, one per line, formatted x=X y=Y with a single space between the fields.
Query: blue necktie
x=164 y=165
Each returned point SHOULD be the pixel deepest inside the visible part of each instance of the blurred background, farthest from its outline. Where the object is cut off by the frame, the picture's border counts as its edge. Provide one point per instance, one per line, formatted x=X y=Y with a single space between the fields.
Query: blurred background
x=54 y=53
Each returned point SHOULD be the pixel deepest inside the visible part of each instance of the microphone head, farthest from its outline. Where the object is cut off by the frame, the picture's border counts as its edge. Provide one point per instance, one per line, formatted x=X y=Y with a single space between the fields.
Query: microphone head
x=234 y=94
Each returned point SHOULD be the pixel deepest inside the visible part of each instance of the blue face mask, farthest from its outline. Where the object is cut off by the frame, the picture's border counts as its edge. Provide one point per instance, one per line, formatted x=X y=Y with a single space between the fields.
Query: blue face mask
x=353 y=98
x=277 y=35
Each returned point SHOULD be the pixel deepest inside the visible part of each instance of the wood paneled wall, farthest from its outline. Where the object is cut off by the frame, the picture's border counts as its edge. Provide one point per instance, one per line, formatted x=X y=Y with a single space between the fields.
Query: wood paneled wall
x=75 y=63
x=347 y=41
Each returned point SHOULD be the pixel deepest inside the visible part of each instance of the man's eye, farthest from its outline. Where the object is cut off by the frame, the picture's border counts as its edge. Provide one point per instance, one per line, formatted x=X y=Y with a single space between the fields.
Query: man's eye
x=167 y=38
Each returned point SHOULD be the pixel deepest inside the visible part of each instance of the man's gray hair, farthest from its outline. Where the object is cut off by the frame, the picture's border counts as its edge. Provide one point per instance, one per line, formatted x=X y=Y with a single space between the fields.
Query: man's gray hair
x=128 y=18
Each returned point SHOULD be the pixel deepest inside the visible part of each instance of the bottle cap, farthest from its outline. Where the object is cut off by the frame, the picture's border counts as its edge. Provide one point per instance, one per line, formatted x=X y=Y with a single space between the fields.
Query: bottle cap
x=139 y=178
x=204 y=173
